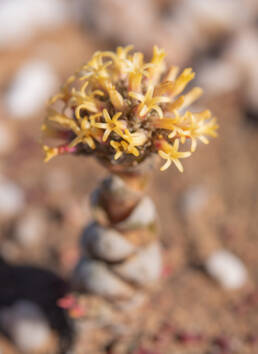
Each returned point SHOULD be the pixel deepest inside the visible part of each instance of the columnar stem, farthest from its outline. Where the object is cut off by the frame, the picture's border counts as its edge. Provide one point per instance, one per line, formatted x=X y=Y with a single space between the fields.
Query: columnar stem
x=120 y=251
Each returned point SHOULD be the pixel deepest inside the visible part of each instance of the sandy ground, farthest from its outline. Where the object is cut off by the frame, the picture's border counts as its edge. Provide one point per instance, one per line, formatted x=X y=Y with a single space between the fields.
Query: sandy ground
x=188 y=313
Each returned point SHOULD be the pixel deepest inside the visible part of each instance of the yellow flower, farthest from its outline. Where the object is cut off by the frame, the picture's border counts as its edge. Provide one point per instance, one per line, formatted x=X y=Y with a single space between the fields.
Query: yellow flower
x=52 y=152
x=181 y=82
x=62 y=120
x=190 y=125
x=95 y=68
x=148 y=102
x=128 y=146
x=111 y=125
x=136 y=70
x=158 y=65
x=84 y=100
x=86 y=138
x=175 y=87
x=185 y=101
x=199 y=128
x=83 y=91
x=129 y=149
x=122 y=53
x=118 y=148
x=171 y=74
x=49 y=152
x=175 y=125
x=123 y=146
x=85 y=135
x=115 y=97
x=119 y=58
x=171 y=154
x=135 y=139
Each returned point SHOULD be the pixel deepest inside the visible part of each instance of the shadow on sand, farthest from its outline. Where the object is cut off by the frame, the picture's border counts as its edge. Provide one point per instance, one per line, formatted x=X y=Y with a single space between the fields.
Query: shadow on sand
x=44 y=288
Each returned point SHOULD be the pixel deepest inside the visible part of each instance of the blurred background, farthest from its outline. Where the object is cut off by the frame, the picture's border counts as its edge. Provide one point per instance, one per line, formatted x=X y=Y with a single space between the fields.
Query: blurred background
x=209 y=299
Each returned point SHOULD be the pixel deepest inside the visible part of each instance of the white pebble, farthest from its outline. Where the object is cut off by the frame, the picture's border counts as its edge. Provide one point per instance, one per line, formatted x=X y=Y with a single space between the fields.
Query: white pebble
x=217 y=14
x=30 y=229
x=106 y=244
x=242 y=51
x=96 y=277
x=142 y=215
x=32 y=86
x=12 y=198
x=21 y=20
x=194 y=199
x=227 y=269
x=219 y=77
x=144 y=268
x=26 y=325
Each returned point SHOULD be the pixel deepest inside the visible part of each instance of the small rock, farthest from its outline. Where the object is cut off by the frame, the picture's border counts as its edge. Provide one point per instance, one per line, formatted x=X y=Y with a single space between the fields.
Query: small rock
x=32 y=16
x=194 y=199
x=95 y=277
x=26 y=325
x=32 y=86
x=144 y=268
x=219 y=77
x=215 y=16
x=12 y=198
x=199 y=22
x=30 y=229
x=227 y=269
x=106 y=243
x=242 y=54
x=242 y=51
x=142 y=215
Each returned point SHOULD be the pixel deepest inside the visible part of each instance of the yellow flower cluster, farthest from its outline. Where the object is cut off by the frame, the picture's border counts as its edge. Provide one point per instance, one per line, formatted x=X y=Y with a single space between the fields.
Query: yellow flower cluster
x=122 y=109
